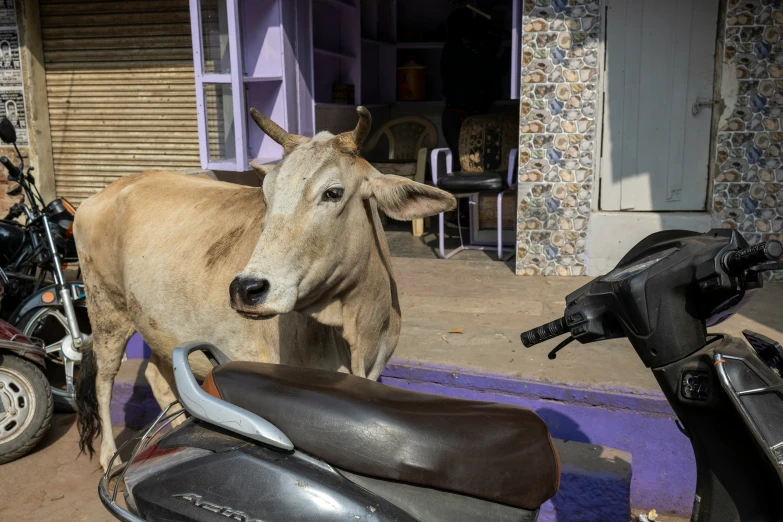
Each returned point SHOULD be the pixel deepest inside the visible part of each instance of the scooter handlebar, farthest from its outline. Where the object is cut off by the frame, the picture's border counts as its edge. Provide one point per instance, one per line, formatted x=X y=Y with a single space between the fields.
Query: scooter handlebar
x=544 y=332
x=735 y=263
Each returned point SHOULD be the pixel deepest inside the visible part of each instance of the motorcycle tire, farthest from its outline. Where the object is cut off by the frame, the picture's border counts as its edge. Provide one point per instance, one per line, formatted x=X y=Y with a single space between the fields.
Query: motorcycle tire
x=27 y=407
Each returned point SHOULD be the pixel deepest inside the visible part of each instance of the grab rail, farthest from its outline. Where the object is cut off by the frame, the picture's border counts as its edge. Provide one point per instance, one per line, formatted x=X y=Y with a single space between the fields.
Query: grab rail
x=210 y=409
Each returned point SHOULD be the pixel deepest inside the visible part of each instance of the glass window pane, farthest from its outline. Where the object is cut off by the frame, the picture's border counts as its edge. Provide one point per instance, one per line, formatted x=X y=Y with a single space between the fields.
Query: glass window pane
x=214 y=36
x=219 y=105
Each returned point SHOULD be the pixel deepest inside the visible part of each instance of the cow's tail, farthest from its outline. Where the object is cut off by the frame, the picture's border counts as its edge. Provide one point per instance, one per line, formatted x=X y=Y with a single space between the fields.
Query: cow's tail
x=87 y=402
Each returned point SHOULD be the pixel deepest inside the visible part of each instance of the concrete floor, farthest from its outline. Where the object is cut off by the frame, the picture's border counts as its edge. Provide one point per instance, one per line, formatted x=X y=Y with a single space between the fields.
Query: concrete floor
x=403 y=244
x=481 y=295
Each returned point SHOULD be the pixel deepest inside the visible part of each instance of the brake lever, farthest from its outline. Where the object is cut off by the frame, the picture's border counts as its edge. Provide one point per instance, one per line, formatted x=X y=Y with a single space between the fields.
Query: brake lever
x=772 y=265
x=553 y=354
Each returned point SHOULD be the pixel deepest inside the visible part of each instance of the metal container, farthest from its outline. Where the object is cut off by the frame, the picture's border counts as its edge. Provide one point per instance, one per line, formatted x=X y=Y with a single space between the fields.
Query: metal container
x=411 y=82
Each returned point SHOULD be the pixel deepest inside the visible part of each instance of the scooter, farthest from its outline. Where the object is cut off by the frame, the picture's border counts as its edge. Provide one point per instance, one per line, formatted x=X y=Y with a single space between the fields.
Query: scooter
x=26 y=403
x=271 y=442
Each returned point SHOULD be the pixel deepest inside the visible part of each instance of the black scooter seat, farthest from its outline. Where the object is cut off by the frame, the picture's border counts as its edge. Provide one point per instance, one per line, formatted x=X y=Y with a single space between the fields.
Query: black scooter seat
x=496 y=452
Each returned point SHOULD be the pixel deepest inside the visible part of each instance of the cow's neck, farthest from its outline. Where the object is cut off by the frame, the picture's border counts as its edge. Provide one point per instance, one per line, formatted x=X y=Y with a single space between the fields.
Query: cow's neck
x=369 y=312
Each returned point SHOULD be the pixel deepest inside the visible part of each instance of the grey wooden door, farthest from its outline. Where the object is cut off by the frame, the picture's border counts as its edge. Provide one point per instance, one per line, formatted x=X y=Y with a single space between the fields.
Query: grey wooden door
x=660 y=58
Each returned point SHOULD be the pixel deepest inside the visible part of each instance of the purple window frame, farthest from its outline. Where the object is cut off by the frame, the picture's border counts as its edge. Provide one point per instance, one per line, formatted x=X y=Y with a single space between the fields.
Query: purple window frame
x=238 y=83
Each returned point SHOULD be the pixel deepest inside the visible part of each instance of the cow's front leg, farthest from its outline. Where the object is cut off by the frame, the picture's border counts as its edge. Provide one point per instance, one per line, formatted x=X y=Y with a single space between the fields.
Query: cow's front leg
x=357 y=362
x=160 y=377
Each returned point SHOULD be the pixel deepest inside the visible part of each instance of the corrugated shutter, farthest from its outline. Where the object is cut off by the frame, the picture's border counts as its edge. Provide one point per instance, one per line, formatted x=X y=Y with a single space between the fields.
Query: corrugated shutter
x=122 y=96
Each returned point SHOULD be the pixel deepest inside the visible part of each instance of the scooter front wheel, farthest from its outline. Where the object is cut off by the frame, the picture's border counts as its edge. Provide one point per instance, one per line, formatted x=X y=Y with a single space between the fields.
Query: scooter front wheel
x=26 y=407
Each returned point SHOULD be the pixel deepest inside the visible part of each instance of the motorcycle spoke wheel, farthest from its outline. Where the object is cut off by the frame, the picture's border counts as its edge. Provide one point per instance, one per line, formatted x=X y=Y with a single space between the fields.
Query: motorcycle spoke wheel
x=51 y=323
x=53 y=350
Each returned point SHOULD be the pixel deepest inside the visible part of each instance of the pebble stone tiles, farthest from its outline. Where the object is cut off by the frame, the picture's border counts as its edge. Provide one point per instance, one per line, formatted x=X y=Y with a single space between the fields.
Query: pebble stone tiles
x=557 y=130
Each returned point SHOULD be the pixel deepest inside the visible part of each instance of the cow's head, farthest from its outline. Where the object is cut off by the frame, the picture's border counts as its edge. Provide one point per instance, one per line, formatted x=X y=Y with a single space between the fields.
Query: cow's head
x=319 y=231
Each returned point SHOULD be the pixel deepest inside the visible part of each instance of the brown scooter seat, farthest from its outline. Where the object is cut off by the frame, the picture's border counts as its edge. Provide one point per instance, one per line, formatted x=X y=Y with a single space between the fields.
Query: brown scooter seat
x=492 y=451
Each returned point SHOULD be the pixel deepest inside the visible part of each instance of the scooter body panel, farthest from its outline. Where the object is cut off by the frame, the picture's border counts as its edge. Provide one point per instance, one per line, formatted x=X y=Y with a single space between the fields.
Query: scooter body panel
x=253 y=483
x=248 y=481
x=736 y=480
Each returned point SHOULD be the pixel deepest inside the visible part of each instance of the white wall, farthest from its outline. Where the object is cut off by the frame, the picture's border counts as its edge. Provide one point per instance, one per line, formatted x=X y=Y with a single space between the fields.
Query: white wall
x=613 y=234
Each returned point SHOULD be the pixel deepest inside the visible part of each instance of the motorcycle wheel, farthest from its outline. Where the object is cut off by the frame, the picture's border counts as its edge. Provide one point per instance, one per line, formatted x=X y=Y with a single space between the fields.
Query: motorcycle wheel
x=27 y=407
x=51 y=326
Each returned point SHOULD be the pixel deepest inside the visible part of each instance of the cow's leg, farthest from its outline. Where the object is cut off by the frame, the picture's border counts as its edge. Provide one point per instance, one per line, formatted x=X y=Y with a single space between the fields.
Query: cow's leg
x=160 y=377
x=357 y=362
x=109 y=346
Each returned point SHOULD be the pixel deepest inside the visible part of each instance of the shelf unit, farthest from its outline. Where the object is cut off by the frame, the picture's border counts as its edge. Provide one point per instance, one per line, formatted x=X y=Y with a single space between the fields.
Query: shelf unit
x=336 y=47
x=375 y=28
x=283 y=57
x=242 y=59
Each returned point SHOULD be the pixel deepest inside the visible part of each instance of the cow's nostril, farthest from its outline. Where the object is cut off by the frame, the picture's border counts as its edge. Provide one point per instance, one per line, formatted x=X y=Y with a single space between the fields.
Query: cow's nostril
x=249 y=292
x=256 y=289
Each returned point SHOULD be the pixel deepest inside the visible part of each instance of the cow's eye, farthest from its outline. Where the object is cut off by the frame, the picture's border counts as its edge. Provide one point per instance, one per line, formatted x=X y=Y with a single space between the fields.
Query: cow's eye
x=333 y=194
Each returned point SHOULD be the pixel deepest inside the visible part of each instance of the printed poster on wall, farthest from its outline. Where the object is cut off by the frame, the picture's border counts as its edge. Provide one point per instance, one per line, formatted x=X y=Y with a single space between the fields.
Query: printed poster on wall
x=7 y=13
x=10 y=62
x=12 y=107
x=11 y=80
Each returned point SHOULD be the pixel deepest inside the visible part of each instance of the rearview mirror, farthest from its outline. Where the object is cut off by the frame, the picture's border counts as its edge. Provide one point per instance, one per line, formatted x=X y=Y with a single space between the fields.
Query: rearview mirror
x=7 y=131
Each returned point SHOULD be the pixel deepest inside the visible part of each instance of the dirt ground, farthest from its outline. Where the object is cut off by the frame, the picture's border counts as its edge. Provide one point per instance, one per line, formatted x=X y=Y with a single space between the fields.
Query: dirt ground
x=53 y=483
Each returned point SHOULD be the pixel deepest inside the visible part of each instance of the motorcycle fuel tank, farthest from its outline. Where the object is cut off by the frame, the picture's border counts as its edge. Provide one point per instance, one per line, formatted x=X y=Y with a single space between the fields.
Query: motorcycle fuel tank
x=11 y=239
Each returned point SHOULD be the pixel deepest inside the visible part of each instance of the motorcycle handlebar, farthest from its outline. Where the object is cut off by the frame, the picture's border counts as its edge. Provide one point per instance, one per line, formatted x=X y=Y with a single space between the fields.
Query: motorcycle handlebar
x=13 y=172
x=735 y=263
x=544 y=332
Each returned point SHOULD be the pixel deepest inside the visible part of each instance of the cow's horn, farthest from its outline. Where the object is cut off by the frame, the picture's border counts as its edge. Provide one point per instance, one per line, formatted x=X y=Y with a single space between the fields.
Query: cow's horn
x=362 y=127
x=270 y=128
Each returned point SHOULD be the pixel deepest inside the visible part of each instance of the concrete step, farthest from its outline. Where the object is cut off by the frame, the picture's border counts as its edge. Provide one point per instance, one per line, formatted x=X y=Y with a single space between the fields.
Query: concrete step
x=595 y=481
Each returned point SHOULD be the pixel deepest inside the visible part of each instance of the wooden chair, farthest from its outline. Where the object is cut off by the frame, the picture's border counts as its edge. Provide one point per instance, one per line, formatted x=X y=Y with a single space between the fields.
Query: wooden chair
x=408 y=138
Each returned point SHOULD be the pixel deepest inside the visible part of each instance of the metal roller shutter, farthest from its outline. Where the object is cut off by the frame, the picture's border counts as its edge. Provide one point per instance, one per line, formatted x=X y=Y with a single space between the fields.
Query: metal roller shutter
x=122 y=96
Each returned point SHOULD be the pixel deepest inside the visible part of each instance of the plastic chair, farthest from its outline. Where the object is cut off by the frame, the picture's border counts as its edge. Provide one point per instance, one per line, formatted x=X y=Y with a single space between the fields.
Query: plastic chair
x=485 y=141
x=408 y=137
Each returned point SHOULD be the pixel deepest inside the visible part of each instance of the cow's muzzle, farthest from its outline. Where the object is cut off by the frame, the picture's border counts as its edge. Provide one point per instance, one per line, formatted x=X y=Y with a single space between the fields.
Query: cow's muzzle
x=248 y=295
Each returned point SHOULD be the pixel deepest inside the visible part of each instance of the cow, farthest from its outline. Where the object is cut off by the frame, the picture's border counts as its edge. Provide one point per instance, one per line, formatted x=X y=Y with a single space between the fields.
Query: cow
x=297 y=272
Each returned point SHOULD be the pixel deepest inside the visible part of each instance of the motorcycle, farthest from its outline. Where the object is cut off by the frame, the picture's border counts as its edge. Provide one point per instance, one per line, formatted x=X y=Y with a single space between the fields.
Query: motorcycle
x=272 y=442
x=38 y=300
x=25 y=395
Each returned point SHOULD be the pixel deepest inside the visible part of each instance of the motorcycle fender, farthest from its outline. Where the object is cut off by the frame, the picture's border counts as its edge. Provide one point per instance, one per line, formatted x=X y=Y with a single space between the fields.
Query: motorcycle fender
x=47 y=297
x=32 y=353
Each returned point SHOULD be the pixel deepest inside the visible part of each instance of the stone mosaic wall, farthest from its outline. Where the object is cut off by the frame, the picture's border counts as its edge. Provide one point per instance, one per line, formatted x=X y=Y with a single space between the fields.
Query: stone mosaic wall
x=747 y=191
x=557 y=134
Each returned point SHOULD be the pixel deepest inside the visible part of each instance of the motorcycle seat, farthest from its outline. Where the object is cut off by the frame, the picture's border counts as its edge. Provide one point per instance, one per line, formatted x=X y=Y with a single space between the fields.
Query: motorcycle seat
x=491 y=451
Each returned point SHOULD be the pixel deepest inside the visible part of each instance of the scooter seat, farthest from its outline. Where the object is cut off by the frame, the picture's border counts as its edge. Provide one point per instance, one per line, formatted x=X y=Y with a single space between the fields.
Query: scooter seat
x=496 y=452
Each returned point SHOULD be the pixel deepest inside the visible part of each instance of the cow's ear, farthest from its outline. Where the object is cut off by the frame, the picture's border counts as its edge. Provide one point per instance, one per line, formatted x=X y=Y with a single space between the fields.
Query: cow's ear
x=261 y=170
x=404 y=200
